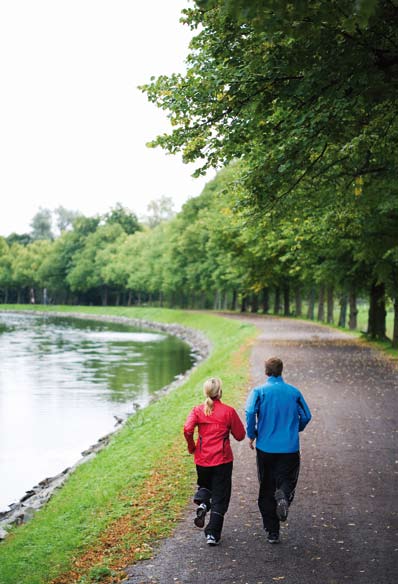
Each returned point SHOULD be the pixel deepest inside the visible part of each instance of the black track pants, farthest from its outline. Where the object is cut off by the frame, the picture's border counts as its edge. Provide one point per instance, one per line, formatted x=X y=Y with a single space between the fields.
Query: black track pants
x=214 y=489
x=275 y=471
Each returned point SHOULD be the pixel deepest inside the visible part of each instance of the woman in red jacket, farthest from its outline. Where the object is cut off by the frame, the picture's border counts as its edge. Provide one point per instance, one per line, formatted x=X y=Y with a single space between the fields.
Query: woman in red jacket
x=213 y=456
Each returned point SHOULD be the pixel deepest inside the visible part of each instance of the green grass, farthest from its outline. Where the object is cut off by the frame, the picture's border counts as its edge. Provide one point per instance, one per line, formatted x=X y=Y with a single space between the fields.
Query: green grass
x=101 y=491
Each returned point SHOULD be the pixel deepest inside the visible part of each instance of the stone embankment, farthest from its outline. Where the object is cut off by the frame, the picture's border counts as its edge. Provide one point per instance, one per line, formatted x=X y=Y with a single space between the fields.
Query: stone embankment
x=23 y=510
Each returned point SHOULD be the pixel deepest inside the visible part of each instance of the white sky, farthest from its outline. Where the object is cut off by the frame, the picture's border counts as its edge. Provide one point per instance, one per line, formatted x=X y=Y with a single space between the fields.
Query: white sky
x=73 y=125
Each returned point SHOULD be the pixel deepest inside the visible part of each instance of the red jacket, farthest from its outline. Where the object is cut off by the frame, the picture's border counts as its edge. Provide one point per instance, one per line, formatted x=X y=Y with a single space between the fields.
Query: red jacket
x=212 y=446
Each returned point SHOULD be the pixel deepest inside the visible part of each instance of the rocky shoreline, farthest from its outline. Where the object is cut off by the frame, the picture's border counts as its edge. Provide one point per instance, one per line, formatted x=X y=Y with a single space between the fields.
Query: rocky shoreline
x=23 y=510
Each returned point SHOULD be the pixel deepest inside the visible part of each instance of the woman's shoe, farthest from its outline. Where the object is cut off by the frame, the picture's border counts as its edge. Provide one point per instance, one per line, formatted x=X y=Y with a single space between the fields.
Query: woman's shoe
x=201 y=511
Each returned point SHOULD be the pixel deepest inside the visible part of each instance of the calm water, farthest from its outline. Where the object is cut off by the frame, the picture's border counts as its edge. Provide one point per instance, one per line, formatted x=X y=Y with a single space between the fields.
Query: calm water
x=61 y=382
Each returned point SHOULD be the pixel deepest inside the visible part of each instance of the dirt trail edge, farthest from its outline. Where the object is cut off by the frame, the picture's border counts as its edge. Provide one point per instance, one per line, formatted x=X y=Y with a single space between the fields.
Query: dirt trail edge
x=342 y=526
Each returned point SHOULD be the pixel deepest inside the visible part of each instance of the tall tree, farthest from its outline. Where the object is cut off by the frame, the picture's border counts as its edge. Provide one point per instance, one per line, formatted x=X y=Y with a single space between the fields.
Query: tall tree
x=64 y=218
x=159 y=210
x=42 y=225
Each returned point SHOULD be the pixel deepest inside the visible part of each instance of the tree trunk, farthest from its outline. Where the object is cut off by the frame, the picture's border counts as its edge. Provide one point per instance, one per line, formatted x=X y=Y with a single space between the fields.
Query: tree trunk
x=19 y=295
x=32 y=299
x=330 y=309
x=343 y=310
x=254 y=305
x=395 y=329
x=104 y=296
x=265 y=300
x=234 y=300
x=286 y=300
x=311 y=304
x=6 y=295
x=377 y=312
x=217 y=300
x=321 y=303
x=243 y=303
x=298 y=302
x=277 y=301
x=352 y=322
x=225 y=301
x=117 y=301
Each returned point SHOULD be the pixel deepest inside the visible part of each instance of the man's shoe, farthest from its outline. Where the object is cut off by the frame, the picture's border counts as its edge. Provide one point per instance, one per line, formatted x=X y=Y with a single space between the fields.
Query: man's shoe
x=211 y=540
x=282 y=505
x=282 y=509
x=273 y=537
x=201 y=511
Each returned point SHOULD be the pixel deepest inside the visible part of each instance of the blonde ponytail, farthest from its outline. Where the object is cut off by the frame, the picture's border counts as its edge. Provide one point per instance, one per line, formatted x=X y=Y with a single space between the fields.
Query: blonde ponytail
x=212 y=390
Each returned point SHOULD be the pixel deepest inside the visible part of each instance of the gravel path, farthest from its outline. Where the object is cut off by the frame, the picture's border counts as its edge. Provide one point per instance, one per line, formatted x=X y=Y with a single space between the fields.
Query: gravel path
x=342 y=526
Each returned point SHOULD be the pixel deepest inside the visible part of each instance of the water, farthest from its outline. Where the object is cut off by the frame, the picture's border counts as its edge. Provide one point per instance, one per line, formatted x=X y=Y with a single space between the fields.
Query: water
x=63 y=380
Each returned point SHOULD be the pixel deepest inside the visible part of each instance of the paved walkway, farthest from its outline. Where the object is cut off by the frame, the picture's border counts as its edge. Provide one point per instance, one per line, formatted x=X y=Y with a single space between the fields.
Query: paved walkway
x=342 y=526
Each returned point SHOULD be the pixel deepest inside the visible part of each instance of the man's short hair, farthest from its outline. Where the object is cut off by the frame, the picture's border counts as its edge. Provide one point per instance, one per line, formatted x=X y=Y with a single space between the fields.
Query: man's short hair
x=273 y=367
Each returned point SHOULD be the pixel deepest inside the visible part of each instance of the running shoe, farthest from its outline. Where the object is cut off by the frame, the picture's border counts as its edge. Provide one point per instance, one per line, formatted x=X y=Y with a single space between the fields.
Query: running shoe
x=201 y=511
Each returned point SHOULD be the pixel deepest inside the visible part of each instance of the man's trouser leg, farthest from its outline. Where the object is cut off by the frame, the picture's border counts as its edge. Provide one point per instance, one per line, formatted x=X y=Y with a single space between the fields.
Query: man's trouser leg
x=217 y=480
x=287 y=468
x=266 y=495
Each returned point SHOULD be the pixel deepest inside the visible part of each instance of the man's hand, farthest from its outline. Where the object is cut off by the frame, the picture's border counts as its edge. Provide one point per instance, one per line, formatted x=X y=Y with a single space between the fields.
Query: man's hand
x=251 y=443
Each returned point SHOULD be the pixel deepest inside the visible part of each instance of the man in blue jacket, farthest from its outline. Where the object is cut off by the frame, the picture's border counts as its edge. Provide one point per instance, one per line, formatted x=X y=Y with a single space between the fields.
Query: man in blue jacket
x=275 y=414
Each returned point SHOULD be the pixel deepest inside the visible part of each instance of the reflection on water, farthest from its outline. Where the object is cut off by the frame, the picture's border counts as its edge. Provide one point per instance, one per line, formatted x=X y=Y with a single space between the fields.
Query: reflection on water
x=62 y=381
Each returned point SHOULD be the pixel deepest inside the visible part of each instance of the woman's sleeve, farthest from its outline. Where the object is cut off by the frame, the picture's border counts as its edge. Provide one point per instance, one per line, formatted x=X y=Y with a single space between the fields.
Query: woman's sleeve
x=237 y=428
x=189 y=429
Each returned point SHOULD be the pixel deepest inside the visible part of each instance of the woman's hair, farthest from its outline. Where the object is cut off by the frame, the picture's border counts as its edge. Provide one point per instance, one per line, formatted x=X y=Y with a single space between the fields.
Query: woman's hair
x=212 y=391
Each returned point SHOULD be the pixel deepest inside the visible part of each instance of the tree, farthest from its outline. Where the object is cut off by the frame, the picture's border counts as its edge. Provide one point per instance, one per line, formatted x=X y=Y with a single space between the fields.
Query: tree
x=85 y=273
x=5 y=268
x=122 y=216
x=25 y=265
x=160 y=210
x=41 y=225
x=298 y=94
x=65 y=218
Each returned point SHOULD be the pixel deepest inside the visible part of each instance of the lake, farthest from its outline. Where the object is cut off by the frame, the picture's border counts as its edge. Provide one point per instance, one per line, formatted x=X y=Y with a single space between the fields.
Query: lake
x=62 y=381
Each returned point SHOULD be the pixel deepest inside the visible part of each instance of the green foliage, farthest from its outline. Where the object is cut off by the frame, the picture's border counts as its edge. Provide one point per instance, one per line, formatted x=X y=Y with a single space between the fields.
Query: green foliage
x=123 y=217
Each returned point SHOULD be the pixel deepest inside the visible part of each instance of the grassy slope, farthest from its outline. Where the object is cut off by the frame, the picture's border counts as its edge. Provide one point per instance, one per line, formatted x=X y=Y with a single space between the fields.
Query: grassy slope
x=110 y=489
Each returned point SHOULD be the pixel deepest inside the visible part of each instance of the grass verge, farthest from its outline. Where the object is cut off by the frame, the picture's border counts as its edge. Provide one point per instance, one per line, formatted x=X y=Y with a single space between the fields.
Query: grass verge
x=113 y=508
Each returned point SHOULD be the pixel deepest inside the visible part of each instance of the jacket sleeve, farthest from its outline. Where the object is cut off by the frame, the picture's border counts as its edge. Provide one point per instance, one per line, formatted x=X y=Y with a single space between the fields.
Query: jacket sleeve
x=237 y=428
x=251 y=414
x=189 y=429
x=303 y=413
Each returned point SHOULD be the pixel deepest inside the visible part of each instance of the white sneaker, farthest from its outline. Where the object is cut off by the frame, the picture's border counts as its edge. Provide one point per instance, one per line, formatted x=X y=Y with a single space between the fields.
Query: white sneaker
x=211 y=540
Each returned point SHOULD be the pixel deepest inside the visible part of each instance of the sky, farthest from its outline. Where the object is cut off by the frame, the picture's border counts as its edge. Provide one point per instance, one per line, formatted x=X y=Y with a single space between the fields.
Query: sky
x=73 y=125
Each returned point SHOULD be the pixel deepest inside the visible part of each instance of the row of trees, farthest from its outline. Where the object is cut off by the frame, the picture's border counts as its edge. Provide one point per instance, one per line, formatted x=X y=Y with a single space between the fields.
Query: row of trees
x=212 y=254
x=304 y=96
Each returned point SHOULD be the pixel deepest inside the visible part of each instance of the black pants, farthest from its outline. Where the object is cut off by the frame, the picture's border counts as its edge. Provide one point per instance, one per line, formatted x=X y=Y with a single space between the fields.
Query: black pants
x=214 y=489
x=277 y=475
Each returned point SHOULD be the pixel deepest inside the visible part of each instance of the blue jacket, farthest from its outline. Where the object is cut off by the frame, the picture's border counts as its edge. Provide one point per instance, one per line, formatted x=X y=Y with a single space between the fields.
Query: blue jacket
x=275 y=414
